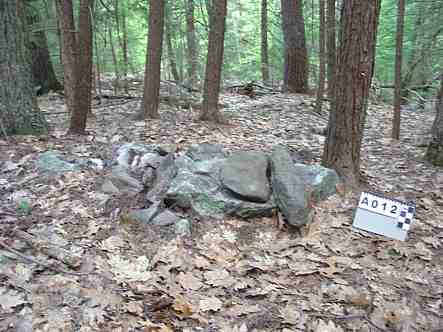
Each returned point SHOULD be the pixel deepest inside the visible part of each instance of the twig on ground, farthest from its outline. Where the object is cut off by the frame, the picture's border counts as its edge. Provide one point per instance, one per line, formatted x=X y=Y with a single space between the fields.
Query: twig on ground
x=35 y=261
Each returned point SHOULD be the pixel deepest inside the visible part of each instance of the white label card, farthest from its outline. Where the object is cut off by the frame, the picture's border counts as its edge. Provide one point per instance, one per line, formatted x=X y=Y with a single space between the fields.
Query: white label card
x=381 y=205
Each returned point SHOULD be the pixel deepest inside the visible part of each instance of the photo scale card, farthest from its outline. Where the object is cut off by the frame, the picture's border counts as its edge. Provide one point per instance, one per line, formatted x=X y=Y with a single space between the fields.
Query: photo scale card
x=380 y=215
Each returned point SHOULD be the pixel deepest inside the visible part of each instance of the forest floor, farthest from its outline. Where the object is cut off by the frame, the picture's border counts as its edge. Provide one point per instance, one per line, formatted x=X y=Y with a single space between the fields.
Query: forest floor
x=230 y=275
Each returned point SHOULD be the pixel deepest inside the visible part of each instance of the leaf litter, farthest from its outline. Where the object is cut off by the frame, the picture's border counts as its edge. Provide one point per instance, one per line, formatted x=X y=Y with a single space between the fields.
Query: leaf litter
x=230 y=275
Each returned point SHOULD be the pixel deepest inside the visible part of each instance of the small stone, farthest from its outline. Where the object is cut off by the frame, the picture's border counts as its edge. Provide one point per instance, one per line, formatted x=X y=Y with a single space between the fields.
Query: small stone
x=165 y=149
x=146 y=215
x=165 y=218
x=183 y=227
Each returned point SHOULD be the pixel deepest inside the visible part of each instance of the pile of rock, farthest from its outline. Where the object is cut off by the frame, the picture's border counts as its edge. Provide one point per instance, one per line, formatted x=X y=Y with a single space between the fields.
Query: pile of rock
x=208 y=182
x=205 y=181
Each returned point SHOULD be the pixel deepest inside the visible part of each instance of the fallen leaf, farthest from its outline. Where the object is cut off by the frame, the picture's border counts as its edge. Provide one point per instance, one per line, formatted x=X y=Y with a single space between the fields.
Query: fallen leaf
x=189 y=281
x=210 y=304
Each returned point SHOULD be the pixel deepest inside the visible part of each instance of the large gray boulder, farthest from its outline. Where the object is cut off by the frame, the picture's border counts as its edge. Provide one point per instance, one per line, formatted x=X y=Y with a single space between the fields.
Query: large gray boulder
x=244 y=175
x=321 y=181
x=197 y=186
x=289 y=189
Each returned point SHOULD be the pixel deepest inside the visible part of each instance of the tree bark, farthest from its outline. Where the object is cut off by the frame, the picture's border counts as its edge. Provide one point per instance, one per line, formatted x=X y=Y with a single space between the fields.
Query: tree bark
x=151 y=90
x=398 y=61
x=359 y=22
x=295 y=75
x=331 y=47
x=19 y=114
x=114 y=60
x=322 y=56
x=191 y=39
x=264 y=41
x=434 y=153
x=84 y=70
x=42 y=69
x=214 y=61
x=65 y=18
x=170 y=48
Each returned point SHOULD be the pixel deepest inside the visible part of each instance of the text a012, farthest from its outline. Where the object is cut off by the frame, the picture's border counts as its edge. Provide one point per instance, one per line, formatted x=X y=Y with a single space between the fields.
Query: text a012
x=381 y=205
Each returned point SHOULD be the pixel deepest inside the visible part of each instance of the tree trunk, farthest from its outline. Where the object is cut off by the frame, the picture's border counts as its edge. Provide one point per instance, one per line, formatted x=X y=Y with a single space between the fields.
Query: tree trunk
x=295 y=75
x=435 y=149
x=125 y=48
x=151 y=90
x=42 y=70
x=65 y=18
x=170 y=48
x=114 y=61
x=322 y=56
x=359 y=22
x=264 y=41
x=214 y=61
x=84 y=70
x=192 y=48
x=330 y=45
x=19 y=114
x=398 y=61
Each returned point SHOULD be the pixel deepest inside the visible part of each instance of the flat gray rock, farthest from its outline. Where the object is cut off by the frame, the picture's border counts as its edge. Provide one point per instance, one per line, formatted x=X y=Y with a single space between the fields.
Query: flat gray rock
x=289 y=190
x=244 y=176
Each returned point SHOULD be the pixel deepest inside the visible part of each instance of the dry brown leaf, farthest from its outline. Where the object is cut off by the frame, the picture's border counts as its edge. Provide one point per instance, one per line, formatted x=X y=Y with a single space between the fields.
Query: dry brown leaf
x=210 y=304
x=219 y=278
x=189 y=281
x=182 y=307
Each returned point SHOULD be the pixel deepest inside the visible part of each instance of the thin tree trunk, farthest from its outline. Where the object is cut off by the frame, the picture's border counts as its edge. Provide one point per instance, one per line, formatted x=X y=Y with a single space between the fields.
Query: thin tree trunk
x=330 y=45
x=125 y=48
x=171 y=54
x=121 y=44
x=151 y=90
x=434 y=152
x=322 y=56
x=296 y=73
x=214 y=62
x=65 y=18
x=192 y=48
x=19 y=114
x=398 y=61
x=359 y=22
x=98 y=80
x=264 y=41
x=114 y=61
x=84 y=69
